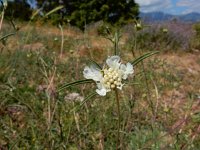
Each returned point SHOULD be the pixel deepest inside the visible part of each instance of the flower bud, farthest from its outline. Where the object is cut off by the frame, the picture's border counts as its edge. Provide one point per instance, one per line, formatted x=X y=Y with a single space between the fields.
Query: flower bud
x=111 y=80
x=112 y=86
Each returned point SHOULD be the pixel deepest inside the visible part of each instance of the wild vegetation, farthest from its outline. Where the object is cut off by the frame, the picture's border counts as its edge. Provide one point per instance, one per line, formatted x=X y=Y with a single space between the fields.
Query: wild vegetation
x=78 y=13
x=159 y=104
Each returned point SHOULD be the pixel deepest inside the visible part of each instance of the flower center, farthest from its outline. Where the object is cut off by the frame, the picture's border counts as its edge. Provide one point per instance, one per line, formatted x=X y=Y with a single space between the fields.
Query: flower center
x=112 y=78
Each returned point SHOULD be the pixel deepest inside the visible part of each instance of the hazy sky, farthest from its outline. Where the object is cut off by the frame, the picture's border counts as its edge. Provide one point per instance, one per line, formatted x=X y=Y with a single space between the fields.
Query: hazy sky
x=170 y=6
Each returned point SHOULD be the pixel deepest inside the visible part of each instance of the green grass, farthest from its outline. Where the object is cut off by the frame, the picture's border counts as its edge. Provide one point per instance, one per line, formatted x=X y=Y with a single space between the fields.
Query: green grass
x=34 y=116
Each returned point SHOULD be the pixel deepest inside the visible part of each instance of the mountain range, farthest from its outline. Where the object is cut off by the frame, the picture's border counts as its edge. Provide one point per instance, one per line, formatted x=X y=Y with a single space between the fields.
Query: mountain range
x=160 y=16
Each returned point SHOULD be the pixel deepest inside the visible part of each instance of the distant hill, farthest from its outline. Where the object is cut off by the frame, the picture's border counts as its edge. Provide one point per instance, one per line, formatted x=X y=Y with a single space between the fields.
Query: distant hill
x=160 y=16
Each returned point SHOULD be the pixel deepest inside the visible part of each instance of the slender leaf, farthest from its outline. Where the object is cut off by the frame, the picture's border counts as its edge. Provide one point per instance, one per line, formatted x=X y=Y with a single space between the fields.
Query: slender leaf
x=117 y=37
x=54 y=10
x=74 y=83
x=95 y=63
x=84 y=101
x=5 y=36
x=35 y=13
x=141 y=58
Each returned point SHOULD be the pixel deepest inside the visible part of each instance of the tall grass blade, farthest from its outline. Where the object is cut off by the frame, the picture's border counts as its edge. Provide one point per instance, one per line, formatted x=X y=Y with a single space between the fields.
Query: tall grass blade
x=35 y=13
x=116 y=43
x=141 y=58
x=54 y=10
x=74 y=83
x=7 y=35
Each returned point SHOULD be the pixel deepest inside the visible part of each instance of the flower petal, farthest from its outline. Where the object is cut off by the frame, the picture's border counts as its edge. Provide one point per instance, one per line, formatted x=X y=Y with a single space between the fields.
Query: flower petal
x=129 y=68
x=101 y=89
x=126 y=70
x=113 y=62
x=101 y=92
x=92 y=73
x=120 y=86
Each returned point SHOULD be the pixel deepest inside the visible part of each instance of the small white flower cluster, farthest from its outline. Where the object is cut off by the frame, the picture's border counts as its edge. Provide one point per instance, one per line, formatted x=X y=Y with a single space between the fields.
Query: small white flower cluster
x=111 y=76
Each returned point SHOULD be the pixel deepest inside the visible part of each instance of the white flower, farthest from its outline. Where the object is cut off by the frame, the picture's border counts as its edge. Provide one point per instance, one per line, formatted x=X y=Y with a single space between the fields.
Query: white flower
x=111 y=76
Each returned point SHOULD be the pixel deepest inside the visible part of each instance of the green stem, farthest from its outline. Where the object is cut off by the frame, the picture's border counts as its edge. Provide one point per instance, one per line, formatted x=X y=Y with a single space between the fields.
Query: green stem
x=118 y=114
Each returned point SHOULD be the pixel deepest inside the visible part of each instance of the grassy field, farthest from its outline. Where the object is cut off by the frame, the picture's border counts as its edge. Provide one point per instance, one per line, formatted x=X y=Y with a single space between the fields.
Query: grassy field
x=160 y=104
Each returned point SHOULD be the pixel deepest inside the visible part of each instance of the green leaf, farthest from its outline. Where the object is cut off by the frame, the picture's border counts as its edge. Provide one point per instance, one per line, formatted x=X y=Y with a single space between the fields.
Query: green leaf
x=74 y=83
x=141 y=58
x=54 y=10
x=5 y=36
x=95 y=63
x=117 y=37
x=84 y=101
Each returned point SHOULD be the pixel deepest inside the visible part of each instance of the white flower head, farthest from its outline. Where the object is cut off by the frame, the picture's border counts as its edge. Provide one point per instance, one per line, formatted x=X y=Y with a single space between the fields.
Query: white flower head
x=111 y=76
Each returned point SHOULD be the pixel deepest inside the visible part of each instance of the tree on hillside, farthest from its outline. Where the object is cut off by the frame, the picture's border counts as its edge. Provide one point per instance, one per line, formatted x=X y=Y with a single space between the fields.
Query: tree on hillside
x=81 y=12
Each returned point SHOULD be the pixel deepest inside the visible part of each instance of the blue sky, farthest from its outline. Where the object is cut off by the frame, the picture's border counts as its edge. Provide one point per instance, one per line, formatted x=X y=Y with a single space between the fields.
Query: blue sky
x=170 y=6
